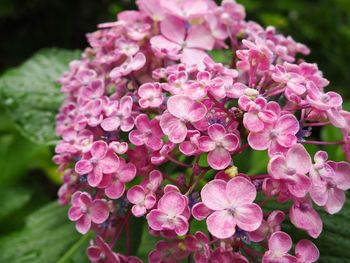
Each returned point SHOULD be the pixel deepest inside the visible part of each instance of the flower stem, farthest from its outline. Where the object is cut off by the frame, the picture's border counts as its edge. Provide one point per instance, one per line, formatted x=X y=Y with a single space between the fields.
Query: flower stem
x=321 y=143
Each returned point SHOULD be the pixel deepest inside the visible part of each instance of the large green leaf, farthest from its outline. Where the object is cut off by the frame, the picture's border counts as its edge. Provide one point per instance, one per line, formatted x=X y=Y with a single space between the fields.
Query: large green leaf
x=47 y=237
x=32 y=96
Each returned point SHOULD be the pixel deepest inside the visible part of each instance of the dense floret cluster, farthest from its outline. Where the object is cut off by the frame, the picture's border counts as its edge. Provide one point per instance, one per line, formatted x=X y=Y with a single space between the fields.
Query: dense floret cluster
x=151 y=124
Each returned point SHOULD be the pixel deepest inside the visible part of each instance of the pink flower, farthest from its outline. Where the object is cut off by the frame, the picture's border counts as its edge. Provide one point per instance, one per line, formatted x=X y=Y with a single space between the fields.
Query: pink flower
x=120 y=116
x=132 y=63
x=181 y=110
x=303 y=216
x=100 y=251
x=74 y=141
x=233 y=206
x=267 y=227
x=176 y=43
x=206 y=83
x=329 y=181
x=168 y=214
x=199 y=244
x=278 y=137
x=150 y=95
x=100 y=160
x=293 y=81
x=306 y=252
x=114 y=183
x=190 y=147
x=329 y=102
x=279 y=245
x=84 y=211
x=152 y=182
x=168 y=251
x=142 y=201
x=292 y=169
x=147 y=132
x=219 y=144
x=258 y=113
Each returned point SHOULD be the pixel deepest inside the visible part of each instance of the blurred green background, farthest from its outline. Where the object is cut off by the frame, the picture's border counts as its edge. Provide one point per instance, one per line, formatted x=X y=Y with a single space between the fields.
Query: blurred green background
x=27 y=176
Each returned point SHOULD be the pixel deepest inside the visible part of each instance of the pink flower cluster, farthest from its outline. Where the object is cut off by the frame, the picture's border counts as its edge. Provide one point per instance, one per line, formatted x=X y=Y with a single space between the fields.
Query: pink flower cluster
x=151 y=124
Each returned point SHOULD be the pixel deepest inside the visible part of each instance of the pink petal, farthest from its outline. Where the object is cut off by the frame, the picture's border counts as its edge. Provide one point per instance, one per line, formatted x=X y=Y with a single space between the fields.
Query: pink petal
x=95 y=177
x=299 y=159
x=83 y=225
x=174 y=29
x=214 y=195
x=248 y=216
x=138 y=210
x=219 y=159
x=230 y=142
x=99 y=211
x=115 y=190
x=306 y=251
x=221 y=224
x=301 y=186
x=287 y=124
x=205 y=144
x=261 y=140
x=335 y=202
x=280 y=242
x=99 y=149
x=277 y=167
x=110 y=124
x=200 y=37
x=216 y=132
x=83 y=167
x=155 y=219
x=239 y=191
x=200 y=211
x=181 y=226
x=252 y=122
x=75 y=213
x=191 y=56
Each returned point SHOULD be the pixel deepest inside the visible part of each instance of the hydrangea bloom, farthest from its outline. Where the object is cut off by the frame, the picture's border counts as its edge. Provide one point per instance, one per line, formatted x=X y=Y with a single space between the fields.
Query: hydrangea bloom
x=151 y=125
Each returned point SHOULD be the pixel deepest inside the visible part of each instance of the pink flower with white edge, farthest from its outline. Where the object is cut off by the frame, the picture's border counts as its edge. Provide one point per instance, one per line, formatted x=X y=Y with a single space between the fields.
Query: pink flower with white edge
x=120 y=116
x=279 y=245
x=219 y=144
x=232 y=203
x=306 y=251
x=199 y=244
x=84 y=210
x=99 y=251
x=205 y=83
x=303 y=216
x=176 y=42
x=292 y=168
x=152 y=182
x=190 y=146
x=97 y=162
x=278 y=137
x=168 y=214
x=142 y=201
x=267 y=227
x=148 y=133
x=329 y=102
x=330 y=180
x=257 y=114
x=293 y=81
x=132 y=63
x=150 y=95
x=114 y=183
x=181 y=110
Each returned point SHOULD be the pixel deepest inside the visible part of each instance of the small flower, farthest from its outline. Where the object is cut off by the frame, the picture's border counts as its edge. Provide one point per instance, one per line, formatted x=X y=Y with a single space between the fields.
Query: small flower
x=219 y=144
x=277 y=137
x=100 y=251
x=120 y=116
x=142 y=201
x=306 y=252
x=98 y=161
x=181 y=110
x=279 y=245
x=84 y=211
x=147 y=132
x=132 y=63
x=233 y=206
x=292 y=169
x=150 y=95
x=168 y=214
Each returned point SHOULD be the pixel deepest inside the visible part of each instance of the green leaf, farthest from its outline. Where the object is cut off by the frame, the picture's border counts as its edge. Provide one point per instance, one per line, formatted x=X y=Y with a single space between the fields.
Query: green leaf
x=221 y=56
x=47 y=237
x=32 y=96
